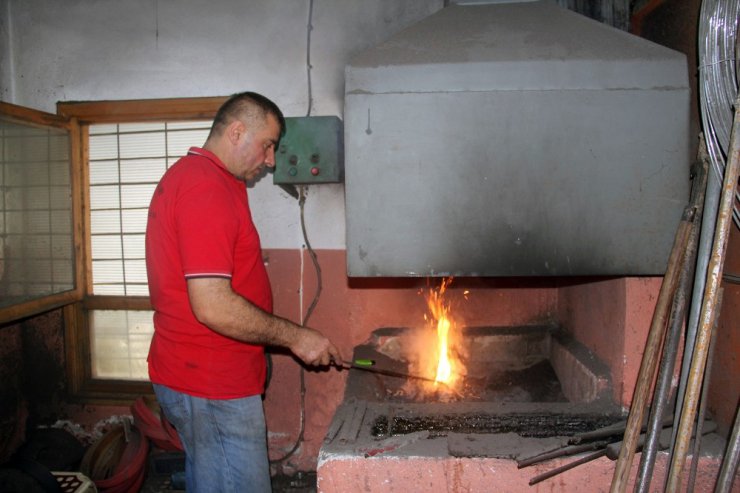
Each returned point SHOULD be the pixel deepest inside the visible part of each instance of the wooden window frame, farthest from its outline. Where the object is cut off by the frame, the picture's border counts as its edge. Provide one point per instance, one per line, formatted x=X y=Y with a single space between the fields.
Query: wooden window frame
x=34 y=307
x=82 y=386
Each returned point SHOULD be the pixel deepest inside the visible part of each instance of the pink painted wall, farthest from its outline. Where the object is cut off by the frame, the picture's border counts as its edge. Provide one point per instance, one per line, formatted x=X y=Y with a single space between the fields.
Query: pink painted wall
x=612 y=318
x=473 y=475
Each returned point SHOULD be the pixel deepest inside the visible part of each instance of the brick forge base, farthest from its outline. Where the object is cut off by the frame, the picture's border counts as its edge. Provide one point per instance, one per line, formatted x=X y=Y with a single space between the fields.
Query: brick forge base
x=342 y=474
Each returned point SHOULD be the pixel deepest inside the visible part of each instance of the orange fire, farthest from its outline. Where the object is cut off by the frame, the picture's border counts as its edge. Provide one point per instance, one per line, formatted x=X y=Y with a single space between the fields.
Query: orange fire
x=448 y=367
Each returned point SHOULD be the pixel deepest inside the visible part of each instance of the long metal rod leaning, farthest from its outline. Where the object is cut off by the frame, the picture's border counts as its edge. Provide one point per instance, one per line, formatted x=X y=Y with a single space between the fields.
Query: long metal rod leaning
x=675 y=324
x=704 y=398
x=731 y=459
x=651 y=354
x=711 y=291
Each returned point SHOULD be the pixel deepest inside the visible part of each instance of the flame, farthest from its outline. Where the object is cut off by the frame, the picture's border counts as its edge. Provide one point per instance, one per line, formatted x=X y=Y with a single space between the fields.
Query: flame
x=444 y=369
x=440 y=313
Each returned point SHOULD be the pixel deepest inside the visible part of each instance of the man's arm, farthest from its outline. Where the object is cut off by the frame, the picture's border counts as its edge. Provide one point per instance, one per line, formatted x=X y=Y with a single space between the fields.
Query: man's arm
x=221 y=309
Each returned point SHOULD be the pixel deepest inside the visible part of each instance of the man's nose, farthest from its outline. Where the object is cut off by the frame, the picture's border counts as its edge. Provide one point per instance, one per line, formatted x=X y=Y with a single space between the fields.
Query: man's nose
x=270 y=159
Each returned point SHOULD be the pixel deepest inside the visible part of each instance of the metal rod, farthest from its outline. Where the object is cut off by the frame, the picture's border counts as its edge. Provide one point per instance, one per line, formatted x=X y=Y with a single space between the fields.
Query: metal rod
x=708 y=222
x=704 y=399
x=711 y=291
x=562 y=451
x=651 y=354
x=566 y=467
x=730 y=461
x=670 y=350
x=347 y=365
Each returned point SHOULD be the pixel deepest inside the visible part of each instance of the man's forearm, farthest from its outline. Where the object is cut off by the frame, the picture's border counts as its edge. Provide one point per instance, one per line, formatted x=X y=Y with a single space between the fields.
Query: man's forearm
x=217 y=306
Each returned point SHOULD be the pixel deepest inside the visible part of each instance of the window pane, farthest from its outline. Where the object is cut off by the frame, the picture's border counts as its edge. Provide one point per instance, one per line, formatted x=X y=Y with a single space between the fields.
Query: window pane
x=106 y=247
x=103 y=172
x=119 y=341
x=141 y=145
x=107 y=272
x=136 y=196
x=104 y=197
x=105 y=222
x=103 y=147
x=135 y=271
x=140 y=127
x=133 y=246
x=134 y=220
x=178 y=143
x=143 y=170
x=103 y=129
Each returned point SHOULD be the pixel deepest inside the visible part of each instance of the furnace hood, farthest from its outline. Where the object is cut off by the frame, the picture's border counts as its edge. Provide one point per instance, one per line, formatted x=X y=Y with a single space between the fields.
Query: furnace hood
x=514 y=139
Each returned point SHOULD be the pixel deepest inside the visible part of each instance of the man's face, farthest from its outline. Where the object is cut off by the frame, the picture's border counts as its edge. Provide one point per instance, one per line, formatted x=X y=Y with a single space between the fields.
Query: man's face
x=255 y=148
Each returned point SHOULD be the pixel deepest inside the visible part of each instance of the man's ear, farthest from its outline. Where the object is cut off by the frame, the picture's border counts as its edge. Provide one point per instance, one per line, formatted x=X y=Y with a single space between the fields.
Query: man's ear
x=235 y=130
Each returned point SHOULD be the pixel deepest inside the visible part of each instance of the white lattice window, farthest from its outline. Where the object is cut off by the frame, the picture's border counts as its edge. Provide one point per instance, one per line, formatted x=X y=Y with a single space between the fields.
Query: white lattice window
x=125 y=164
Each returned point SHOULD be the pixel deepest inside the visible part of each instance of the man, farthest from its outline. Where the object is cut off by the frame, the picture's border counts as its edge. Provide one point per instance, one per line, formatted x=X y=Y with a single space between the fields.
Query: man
x=212 y=301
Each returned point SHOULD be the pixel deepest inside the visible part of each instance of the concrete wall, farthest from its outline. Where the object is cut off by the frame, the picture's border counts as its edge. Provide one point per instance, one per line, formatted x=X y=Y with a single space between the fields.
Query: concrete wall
x=99 y=50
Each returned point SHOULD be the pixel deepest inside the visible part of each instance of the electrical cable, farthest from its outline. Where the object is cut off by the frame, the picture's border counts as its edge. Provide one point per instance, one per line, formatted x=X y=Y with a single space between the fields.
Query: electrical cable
x=312 y=254
x=309 y=312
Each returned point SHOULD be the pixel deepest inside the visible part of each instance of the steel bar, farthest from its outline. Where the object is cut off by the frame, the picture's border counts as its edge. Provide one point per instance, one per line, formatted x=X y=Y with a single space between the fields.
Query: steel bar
x=711 y=291
x=651 y=354
x=730 y=461
x=562 y=451
x=704 y=399
x=348 y=365
x=617 y=429
x=670 y=350
x=708 y=222
x=607 y=431
x=570 y=465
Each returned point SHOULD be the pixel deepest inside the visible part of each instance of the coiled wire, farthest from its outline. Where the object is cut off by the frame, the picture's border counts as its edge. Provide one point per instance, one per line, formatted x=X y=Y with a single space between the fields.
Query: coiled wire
x=718 y=81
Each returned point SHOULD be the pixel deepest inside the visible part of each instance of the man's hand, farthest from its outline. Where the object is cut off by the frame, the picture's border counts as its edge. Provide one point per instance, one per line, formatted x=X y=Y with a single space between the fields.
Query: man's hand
x=314 y=349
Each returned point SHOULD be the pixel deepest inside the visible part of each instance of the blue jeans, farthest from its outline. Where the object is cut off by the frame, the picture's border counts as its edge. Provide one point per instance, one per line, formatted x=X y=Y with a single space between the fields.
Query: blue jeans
x=225 y=441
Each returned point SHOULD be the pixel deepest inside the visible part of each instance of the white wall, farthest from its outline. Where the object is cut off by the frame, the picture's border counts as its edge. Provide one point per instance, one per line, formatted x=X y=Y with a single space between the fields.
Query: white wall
x=86 y=50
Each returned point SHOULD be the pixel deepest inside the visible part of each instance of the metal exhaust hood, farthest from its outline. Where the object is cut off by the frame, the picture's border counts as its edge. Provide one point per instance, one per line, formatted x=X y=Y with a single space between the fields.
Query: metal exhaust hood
x=514 y=139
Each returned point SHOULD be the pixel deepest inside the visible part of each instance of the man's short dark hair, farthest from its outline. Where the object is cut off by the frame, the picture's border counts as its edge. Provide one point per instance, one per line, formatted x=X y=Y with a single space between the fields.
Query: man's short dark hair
x=248 y=106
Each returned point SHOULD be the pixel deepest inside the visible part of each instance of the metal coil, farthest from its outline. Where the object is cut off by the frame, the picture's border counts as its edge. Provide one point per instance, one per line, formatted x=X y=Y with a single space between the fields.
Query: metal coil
x=718 y=81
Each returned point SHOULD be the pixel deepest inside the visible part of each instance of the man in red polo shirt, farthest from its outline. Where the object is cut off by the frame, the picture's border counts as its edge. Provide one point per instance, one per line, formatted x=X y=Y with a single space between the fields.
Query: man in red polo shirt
x=213 y=304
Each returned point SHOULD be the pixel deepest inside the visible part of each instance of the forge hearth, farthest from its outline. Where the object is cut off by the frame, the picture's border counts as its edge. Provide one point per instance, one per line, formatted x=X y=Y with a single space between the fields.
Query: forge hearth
x=526 y=389
x=525 y=364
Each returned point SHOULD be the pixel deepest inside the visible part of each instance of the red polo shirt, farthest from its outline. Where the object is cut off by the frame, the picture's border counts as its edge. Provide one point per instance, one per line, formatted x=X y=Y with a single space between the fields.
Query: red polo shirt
x=200 y=225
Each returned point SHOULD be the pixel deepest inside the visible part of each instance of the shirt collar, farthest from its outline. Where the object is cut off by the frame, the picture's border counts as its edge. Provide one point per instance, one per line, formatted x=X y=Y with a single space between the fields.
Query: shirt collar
x=199 y=151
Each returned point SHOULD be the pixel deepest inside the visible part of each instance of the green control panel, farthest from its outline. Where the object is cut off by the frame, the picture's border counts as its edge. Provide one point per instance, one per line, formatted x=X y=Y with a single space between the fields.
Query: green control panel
x=310 y=152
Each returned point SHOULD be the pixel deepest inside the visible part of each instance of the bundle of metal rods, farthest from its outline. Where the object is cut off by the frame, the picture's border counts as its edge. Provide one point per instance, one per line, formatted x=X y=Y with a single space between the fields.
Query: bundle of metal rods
x=605 y=441
x=665 y=334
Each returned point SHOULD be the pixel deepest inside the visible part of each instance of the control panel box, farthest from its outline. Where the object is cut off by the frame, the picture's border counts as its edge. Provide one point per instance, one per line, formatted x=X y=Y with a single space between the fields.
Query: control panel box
x=310 y=152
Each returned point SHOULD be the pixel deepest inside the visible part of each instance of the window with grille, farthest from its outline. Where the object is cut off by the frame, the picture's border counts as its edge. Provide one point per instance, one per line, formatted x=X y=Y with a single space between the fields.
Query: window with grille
x=125 y=163
x=36 y=240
